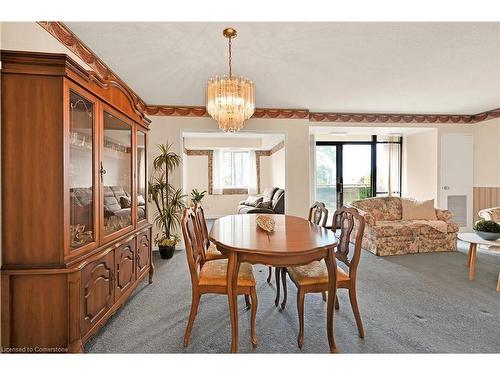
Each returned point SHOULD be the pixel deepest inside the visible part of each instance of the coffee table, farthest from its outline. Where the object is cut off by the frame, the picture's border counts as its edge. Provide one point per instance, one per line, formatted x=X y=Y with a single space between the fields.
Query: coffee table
x=474 y=240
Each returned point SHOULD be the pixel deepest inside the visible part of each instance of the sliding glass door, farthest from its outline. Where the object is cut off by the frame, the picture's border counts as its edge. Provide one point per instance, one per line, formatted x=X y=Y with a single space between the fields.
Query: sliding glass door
x=326 y=176
x=347 y=171
x=356 y=173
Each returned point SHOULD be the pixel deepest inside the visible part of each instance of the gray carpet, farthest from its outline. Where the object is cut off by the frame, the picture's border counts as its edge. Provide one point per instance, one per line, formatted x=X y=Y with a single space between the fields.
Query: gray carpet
x=421 y=303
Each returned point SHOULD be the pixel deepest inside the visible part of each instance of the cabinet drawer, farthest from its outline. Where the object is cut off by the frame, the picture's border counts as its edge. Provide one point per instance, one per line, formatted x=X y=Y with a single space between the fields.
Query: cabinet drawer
x=143 y=258
x=97 y=290
x=125 y=267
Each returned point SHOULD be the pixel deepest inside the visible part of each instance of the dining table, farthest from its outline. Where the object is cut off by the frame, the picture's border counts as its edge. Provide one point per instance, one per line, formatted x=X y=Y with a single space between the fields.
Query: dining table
x=294 y=241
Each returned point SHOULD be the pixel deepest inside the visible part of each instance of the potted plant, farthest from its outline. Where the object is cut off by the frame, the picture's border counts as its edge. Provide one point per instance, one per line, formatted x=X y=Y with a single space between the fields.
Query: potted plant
x=487 y=229
x=196 y=196
x=169 y=202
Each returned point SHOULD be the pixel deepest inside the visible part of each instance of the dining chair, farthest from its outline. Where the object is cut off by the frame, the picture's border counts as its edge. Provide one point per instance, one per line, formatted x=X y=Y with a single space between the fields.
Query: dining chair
x=318 y=214
x=313 y=277
x=211 y=276
x=210 y=251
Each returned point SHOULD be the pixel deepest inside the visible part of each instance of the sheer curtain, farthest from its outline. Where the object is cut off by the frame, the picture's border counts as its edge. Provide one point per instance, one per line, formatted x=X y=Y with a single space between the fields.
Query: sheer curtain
x=393 y=167
x=252 y=173
x=217 y=172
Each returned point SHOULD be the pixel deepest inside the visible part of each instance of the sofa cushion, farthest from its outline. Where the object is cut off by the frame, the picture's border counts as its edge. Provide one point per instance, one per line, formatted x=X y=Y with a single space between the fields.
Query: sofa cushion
x=268 y=193
x=416 y=210
x=108 y=192
x=111 y=204
x=253 y=201
x=118 y=192
x=397 y=228
x=381 y=208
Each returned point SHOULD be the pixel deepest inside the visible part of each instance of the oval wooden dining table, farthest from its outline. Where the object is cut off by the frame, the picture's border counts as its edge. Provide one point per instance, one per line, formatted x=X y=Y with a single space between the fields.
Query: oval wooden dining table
x=294 y=241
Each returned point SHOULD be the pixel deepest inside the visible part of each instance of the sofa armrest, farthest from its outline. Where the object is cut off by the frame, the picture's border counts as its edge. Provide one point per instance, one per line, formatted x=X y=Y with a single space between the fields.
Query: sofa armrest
x=260 y=211
x=369 y=219
x=444 y=215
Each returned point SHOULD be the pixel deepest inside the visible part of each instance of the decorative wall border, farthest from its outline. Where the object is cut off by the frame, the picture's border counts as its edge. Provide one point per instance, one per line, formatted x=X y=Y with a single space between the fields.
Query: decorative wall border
x=64 y=35
x=402 y=118
x=199 y=111
x=277 y=113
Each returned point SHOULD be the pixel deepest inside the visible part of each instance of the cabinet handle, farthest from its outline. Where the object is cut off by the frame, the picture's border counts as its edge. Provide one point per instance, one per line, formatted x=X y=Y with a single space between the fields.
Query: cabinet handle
x=102 y=172
x=112 y=276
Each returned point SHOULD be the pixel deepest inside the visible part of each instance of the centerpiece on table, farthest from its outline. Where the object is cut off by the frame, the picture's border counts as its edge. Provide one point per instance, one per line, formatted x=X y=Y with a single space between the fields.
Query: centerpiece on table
x=266 y=223
x=487 y=229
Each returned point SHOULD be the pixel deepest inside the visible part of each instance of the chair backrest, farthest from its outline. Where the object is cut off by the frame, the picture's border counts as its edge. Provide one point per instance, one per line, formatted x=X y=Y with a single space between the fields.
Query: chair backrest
x=318 y=214
x=347 y=219
x=192 y=242
x=202 y=225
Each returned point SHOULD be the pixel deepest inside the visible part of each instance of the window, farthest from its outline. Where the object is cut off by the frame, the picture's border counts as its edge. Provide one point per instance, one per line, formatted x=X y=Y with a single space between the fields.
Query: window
x=235 y=169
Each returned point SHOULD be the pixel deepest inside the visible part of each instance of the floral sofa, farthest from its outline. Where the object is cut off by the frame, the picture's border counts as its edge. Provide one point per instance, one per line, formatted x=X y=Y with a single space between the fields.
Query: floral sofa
x=387 y=234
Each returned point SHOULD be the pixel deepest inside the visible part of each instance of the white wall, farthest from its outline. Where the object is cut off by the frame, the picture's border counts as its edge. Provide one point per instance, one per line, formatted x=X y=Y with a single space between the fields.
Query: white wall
x=420 y=165
x=487 y=153
x=277 y=168
x=169 y=129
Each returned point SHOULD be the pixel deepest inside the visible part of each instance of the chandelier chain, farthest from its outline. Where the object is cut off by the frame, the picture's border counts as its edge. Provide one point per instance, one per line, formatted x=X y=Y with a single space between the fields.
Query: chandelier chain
x=230 y=60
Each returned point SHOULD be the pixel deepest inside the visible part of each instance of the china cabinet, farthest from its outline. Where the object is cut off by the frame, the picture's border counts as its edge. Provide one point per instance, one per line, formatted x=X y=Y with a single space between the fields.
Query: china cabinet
x=75 y=237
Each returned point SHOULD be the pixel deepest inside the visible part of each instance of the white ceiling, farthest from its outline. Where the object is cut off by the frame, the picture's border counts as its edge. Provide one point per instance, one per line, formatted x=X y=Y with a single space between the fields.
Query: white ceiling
x=337 y=67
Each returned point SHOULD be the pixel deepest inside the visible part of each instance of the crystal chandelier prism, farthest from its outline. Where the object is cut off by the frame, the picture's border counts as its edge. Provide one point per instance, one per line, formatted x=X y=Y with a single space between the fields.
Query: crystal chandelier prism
x=230 y=100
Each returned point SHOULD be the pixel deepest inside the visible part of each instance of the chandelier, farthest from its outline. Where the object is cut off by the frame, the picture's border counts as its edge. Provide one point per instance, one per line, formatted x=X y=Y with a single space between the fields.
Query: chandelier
x=230 y=100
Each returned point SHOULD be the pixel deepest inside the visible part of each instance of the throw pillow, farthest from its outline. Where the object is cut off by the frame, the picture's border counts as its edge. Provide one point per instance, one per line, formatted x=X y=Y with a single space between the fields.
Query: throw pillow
x=415 y=210
x=125 y=202
x=253 y=201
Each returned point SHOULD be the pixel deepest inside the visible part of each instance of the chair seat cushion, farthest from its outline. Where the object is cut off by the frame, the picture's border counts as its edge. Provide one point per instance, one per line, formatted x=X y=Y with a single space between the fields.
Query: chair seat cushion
x=212 y=253
x=314 y=273
x=215 y=273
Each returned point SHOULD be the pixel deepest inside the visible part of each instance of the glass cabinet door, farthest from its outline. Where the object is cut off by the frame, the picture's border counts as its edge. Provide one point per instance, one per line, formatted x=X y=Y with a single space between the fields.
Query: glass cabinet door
x=141 y=176
x=81 y=171
x=116 y=174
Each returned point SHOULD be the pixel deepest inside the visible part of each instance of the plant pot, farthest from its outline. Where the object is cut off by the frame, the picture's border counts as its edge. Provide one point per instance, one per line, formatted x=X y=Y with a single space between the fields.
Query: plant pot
x=489 y=236
x=166 y=252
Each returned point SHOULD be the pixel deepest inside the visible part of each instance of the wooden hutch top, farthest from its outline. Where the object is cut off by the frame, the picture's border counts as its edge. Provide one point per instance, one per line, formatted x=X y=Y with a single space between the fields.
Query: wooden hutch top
x=110 y=90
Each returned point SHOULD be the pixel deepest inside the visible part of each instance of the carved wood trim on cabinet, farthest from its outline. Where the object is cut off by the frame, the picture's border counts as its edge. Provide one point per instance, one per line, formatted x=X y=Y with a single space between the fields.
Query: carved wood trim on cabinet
x=125 y=267
x=64 y=35
x=98 y=281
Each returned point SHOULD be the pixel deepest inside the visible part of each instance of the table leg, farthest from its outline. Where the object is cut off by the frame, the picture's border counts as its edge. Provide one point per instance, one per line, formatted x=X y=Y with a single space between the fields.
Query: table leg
x=469 y=254
x=233 y=267
x=332 y=292
x=498 y=283
x=472 y=262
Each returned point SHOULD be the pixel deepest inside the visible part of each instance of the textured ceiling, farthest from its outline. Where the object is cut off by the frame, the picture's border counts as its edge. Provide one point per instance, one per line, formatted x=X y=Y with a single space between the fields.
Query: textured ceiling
x=337 y=67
